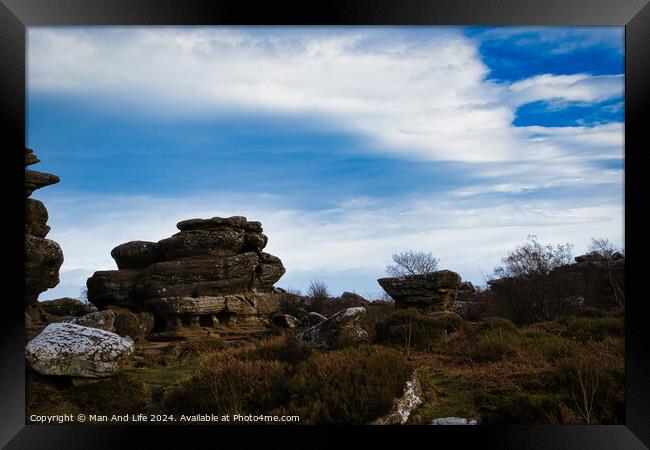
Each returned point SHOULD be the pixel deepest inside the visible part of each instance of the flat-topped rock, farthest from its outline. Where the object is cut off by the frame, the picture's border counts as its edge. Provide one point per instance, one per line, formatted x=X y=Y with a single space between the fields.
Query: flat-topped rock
x=432 y=291
x=214 y=222
x=67 y=306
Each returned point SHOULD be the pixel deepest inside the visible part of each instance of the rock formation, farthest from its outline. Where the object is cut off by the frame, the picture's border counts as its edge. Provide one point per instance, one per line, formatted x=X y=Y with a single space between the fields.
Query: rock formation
x=213 y=271
x=67 y=306
x=43 y=257
x=341 y=329
x=428 y=292
x=77 y=351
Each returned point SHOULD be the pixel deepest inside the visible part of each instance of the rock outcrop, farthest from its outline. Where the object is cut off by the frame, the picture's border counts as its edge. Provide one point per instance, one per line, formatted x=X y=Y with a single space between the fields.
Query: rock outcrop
x=339 y=330
x=312 y=318
x=67 y=306
x=77 y=351
x=404 y=405
x=428 y=292
x=43 y=257
x=213 y=271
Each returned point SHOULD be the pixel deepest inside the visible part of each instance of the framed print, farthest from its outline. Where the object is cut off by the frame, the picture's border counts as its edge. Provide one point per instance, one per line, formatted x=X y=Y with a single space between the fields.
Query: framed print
x=407 y=221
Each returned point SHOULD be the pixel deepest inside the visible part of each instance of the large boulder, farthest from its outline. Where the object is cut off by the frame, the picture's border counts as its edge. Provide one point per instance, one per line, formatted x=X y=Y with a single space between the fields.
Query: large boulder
x=131 y=324
x=36 y=218
x=43 y=258
x=136 y=254
x=428 y=292
x=339 y=330
x=67 y=306
x=114 y=287
x=285 y=320
x=77 y=351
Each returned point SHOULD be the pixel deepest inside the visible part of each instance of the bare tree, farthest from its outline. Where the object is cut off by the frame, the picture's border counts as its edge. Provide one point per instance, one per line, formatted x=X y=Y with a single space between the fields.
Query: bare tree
x=586 y=377
x=533 y=258
x=412 y=263
x=607 y=250
x=604 y=248
x=526 y=290
x=319 y=293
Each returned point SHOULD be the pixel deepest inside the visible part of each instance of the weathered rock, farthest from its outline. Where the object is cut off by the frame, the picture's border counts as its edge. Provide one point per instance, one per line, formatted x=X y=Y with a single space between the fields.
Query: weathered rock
x=453 y=421
x=131 y=324
x=43 y=258
x=225 y=241
x=268 y=272
x=404 y=406
x=468 y=310
x=212 y=271
x=285 y=320
x=74 y=350
x=36 y=218
x=312 y=318
x=339 y=330
x=36 y=180
x=136 y=255
x=428 y=292
x=353 y=296
x=214 y=222
x=67 y=306
x=102 y=320
x=200 y=277
x=30 y=157
x=115 y=287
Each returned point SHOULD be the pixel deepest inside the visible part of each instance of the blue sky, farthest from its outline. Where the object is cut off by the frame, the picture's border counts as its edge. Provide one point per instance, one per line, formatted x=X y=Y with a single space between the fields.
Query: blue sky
x=349 y=144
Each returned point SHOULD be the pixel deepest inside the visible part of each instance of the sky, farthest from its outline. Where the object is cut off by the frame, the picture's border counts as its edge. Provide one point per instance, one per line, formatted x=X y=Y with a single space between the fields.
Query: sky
x=349 y=144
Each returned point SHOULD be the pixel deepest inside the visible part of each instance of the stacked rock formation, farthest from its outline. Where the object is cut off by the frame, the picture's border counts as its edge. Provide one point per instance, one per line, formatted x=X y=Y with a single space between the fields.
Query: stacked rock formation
x=43 y=257
x=213 y=271
x=429 y=292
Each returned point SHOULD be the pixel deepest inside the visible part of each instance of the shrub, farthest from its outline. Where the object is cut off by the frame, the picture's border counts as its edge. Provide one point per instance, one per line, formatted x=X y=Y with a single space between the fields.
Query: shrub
x=410 y=328
x=597 y=328
x=229 y=385
x=591 y=312
x=319 y=293
x=493 y=345
x=499 y=323
x=350 y=386
x=520 y=408
x=285 y=349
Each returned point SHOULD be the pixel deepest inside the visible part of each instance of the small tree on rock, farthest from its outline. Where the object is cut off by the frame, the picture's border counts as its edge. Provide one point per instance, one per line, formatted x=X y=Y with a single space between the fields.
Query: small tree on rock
x=412 y=263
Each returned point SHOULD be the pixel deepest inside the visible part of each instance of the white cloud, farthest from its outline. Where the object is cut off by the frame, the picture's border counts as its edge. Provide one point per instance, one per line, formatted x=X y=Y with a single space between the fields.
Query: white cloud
x=347 y=246
x=422 y=96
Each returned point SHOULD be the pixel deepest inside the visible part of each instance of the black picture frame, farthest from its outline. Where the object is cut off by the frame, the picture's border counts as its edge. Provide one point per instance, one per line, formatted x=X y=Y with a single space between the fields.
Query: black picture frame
x=634 y=15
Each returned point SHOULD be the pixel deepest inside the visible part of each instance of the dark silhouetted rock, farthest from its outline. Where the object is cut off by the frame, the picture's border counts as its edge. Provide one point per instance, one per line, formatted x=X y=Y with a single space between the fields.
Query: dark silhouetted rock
x=36 y=180
x=285 y=321
x=340 y=330
x=353 y=296
x=131 y=324
x=36 y=218
x=67 y=306
x=433 y=291
x=115 y=287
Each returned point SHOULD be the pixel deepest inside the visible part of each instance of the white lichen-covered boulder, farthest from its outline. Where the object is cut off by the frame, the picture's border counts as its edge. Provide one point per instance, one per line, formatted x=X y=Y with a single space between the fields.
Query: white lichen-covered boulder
x=78 y=351
x=453 y=421
x=339 y=330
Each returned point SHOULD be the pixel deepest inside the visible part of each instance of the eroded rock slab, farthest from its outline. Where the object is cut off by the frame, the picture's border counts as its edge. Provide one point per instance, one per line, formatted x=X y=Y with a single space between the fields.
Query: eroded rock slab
x=339 y=330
